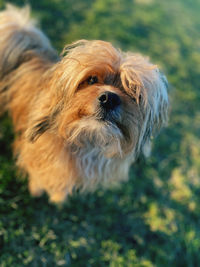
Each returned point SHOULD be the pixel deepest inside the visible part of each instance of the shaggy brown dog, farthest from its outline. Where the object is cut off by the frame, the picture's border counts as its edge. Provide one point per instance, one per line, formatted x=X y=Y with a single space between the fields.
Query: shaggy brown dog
x=80 y=119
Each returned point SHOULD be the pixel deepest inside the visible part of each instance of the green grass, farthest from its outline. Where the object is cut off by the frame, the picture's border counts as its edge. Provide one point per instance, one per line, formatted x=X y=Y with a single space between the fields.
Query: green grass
x=152 y=220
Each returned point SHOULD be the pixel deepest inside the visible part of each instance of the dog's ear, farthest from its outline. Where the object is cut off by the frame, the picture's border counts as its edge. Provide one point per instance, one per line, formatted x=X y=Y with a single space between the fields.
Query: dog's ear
x=43 y=124
x=159 y=103
x=143 y=81
x=156 y=111
x=39 y=128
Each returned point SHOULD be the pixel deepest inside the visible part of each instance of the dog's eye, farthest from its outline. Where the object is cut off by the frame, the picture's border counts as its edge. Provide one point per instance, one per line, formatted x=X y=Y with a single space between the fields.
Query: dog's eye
x=92 y=80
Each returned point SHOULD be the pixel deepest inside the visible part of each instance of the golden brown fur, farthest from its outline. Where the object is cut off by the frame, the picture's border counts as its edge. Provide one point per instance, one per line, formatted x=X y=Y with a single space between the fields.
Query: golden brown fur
x=66 y=138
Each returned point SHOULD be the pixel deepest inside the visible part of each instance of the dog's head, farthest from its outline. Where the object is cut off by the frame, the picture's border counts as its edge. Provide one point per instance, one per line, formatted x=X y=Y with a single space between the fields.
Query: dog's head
x=106 y=99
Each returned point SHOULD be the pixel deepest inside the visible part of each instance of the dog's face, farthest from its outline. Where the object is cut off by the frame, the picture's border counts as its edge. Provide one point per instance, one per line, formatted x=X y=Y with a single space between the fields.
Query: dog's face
x=106 y=99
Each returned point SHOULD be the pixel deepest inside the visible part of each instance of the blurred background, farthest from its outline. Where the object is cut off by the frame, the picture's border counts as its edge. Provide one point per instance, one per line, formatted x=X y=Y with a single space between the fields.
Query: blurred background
x=152 y=220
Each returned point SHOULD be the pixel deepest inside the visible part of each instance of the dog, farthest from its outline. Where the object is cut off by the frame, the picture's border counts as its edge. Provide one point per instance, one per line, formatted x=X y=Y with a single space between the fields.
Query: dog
x=82 y=118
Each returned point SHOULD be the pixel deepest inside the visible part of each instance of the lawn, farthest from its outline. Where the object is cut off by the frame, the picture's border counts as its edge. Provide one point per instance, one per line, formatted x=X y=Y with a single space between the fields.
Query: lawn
x=154 y=218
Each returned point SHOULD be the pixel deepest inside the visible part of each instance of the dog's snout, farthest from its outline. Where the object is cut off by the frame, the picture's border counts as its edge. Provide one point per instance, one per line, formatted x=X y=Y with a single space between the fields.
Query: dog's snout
x=109 y=100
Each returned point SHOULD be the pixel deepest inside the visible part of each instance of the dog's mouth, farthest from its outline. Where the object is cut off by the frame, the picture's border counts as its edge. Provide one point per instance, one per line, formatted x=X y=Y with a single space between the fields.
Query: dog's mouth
x=109 y=116
x=105 y=133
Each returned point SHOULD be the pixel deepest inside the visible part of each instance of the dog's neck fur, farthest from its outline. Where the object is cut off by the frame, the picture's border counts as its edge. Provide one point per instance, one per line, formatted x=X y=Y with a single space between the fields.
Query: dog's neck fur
x=95 y=168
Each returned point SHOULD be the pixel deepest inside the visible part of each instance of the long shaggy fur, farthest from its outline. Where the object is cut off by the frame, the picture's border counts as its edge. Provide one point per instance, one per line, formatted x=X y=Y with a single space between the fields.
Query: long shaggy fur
x=61 y=141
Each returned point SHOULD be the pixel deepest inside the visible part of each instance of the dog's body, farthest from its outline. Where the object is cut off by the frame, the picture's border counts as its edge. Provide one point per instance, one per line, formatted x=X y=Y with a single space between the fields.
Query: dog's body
x=81 y=119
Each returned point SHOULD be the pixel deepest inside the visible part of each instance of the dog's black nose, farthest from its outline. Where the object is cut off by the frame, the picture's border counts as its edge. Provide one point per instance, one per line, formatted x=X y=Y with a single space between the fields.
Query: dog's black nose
x=109 y=100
